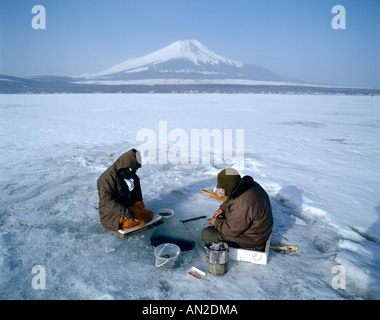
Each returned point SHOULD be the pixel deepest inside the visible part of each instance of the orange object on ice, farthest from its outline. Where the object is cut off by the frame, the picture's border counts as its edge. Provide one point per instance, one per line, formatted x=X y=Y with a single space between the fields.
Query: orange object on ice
x=141 y=216
x=214 y=194
x=130 y=223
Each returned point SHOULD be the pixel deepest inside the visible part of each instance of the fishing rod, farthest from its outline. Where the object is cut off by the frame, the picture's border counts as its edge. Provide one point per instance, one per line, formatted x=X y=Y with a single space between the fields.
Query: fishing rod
x=191 y=235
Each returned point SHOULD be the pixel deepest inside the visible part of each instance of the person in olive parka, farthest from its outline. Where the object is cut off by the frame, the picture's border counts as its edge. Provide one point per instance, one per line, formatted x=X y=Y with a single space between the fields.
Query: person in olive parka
x=119 y=189
x=245 y=219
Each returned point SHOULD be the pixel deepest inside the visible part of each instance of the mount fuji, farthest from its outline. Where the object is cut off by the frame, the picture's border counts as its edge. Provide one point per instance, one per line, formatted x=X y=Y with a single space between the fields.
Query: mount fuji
x=185 y=66
x=183 y=59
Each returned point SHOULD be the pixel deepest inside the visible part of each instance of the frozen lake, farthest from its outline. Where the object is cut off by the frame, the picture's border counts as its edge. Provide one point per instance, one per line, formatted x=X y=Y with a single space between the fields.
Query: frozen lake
x=317 y=157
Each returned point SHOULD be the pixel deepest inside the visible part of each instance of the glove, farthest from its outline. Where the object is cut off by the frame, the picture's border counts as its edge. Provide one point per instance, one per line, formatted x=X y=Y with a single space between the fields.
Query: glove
x=140 y=213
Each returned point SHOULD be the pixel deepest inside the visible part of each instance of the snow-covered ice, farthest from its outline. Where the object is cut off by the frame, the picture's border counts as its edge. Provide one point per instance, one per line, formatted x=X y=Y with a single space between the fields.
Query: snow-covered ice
x=317 y=157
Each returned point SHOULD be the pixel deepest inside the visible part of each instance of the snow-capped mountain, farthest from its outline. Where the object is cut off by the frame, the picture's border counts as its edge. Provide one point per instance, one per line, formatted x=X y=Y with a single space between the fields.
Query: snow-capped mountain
x=183 y=59
x=183 y=66
x=182 y=50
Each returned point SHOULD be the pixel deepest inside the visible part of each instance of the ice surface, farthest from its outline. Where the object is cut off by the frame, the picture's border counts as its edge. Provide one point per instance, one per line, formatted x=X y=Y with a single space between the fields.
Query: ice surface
x=317 y=157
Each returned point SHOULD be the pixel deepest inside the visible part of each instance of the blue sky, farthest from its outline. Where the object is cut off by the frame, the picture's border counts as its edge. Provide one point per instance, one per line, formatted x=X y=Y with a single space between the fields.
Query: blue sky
x=292 y=38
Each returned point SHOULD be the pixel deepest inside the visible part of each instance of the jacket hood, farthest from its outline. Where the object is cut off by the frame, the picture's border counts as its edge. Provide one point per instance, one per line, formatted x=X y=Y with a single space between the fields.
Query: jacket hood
x=247 y=182
x=131 y=159
x=229 y=180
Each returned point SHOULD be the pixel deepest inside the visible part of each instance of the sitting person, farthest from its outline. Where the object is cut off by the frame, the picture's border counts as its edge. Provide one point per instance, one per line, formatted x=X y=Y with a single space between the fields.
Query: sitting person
x=120 y=198
x=245 y=219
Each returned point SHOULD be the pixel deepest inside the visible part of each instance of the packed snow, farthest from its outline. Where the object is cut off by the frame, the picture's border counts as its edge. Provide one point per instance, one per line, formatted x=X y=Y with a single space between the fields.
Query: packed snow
x=316 y=156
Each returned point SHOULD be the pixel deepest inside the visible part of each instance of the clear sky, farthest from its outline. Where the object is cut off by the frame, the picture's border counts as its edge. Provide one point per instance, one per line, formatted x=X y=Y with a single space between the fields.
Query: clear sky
x=292 y=38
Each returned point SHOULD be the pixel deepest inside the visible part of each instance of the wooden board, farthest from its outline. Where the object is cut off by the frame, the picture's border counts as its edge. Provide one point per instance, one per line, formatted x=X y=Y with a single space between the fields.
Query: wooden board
x=157 y=219
x=214 y=194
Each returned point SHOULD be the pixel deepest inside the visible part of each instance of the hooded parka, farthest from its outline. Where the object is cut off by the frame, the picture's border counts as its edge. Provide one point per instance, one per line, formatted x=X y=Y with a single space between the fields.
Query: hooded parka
x=114 y=194
x=248 y=216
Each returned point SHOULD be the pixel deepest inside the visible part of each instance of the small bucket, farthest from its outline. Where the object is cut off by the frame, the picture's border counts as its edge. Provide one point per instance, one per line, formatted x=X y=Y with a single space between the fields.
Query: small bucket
x=167 y=255
x=217 y=258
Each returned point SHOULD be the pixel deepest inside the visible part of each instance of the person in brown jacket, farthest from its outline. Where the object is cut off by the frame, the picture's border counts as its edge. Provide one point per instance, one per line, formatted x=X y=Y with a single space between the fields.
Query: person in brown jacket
x=245 y=219
x=120 y=196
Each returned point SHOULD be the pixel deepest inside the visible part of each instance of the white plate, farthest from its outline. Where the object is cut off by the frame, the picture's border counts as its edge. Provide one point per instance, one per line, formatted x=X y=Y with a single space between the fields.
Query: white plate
x=154 y=219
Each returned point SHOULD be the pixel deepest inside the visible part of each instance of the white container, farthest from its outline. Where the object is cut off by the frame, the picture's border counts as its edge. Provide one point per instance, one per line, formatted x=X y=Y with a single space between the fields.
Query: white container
x=167 y=255
x=256 y=257
x=165 y=213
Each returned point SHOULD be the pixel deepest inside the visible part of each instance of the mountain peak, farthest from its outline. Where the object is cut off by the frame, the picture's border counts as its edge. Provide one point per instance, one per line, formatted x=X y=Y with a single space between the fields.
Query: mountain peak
x=189 y=50
x=196 y=52
x=187 y=42
x=190 y=45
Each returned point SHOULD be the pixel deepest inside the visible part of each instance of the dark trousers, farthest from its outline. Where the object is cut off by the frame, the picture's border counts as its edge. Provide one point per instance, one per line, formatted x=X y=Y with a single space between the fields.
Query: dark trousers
x=210 y=235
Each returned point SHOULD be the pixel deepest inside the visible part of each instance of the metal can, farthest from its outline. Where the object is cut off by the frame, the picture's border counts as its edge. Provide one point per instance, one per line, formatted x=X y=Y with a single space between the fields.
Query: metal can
x=217 y=258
